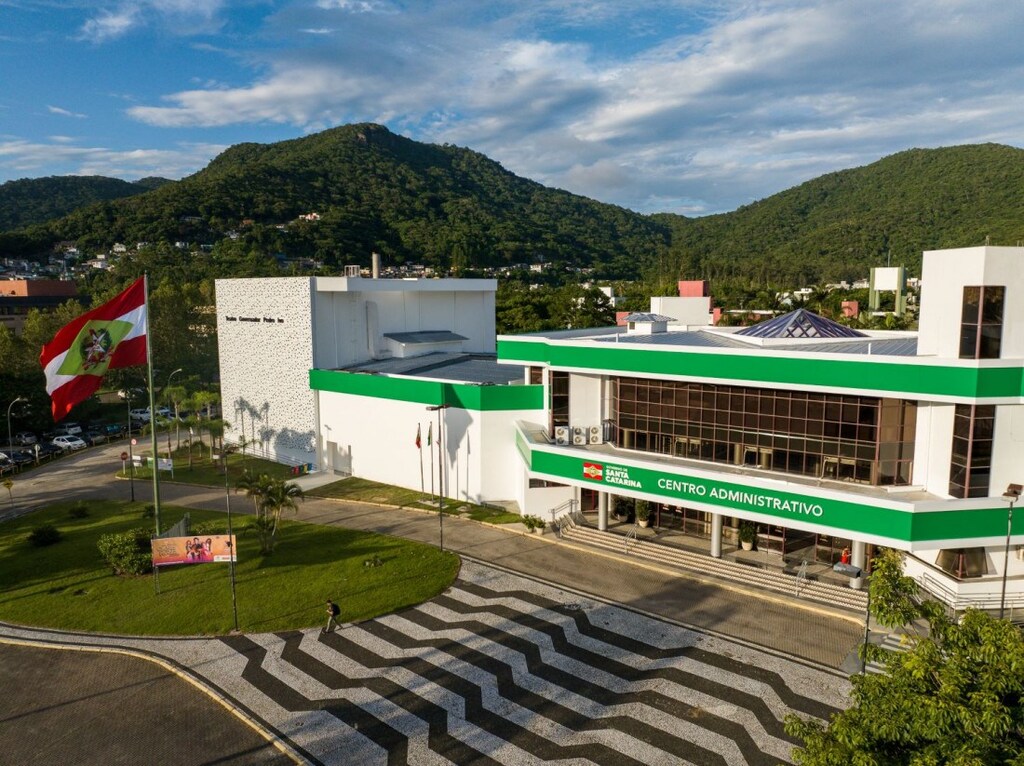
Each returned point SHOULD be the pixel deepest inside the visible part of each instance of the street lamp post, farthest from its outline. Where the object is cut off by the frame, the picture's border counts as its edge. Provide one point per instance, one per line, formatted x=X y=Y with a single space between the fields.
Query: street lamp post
x=855 y=573
x=440 y=468
x=10 y=436
x=1011 y=495
x=153 y=418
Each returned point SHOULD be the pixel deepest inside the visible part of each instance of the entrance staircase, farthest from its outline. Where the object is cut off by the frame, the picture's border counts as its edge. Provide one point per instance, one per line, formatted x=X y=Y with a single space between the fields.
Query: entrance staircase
x=572 y=529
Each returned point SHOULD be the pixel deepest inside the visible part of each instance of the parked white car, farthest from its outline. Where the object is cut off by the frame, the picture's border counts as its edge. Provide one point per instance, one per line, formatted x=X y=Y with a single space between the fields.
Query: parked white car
x=143 y=416
x=69 y=443
x=68 y=429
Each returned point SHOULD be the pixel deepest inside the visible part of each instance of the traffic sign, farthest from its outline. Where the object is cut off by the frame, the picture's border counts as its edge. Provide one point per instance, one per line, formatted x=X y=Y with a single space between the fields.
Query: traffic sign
x=124 y=456
x=135 y=442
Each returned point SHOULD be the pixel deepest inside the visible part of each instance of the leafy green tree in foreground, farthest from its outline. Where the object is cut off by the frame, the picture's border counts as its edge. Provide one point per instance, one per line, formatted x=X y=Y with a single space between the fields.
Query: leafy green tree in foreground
x=955 y=697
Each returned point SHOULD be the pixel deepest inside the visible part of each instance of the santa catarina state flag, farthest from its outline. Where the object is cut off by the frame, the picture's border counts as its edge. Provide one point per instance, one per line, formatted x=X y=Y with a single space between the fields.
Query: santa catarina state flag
x=108 y=337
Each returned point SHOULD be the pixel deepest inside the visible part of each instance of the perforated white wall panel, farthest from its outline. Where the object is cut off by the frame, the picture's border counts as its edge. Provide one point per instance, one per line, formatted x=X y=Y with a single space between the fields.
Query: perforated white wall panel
x=265 y=336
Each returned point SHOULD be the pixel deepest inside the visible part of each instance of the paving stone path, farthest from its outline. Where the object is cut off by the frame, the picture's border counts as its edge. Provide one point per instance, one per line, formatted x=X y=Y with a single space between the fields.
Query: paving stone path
x=502 y=669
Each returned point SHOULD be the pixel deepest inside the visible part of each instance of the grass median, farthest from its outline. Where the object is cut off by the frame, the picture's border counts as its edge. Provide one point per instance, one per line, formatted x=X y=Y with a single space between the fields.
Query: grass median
x=69 y=586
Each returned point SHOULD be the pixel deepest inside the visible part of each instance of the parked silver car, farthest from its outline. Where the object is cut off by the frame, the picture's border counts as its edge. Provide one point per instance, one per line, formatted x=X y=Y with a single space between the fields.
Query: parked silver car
x=69 y=443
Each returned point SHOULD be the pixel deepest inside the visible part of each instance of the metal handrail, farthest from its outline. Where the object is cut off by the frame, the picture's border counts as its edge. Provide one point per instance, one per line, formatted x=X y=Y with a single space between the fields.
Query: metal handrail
x=632 y=535
x=957 y=601
x=561 y=520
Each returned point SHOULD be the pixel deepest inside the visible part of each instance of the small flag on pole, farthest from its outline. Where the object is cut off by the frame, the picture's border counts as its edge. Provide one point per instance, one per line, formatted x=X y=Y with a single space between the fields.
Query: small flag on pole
x=109 y=337
x=418 y=445
x=430 y=434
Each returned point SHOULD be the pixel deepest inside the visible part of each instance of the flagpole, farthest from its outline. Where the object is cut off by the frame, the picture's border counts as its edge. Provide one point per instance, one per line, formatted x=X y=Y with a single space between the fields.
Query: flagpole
x=152 y=405
x=420 y=449
x=430 y=444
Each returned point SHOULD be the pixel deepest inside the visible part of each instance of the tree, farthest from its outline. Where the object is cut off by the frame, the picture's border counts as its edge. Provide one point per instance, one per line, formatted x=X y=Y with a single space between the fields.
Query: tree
x=956 y=696
x=271 y=497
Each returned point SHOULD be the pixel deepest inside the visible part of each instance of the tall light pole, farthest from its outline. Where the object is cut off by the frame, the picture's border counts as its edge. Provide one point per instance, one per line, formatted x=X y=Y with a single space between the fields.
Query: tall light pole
x=440 y=468
x=10 y=436
x=1011 y=495
x=153 y=418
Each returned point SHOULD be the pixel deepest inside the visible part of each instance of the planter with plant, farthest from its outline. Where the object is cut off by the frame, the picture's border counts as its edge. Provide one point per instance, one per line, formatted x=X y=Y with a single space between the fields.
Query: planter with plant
x=643 y=513
x=534 y=524
x=623 y=506
x=747 y=535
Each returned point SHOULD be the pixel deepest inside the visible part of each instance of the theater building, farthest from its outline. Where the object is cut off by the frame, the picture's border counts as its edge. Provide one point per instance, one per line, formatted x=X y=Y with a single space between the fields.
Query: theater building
x=826 y=437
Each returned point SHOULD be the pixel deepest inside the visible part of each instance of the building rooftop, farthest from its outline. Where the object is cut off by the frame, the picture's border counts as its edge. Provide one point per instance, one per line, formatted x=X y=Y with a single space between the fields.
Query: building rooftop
x=458 y=368
x=424 y=337
x=903 y=345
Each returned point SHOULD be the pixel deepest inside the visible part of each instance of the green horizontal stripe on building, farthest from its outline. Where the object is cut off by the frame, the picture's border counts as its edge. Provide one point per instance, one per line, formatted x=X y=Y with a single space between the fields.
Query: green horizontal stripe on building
x=880 y=377
x=431 y=392
x=787 y=506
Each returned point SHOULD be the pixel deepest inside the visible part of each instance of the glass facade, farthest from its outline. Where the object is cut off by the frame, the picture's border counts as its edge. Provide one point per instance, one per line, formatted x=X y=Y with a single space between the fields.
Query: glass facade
x=558 y=399
x=852 y=438
x=971 y=461
x=981 y=322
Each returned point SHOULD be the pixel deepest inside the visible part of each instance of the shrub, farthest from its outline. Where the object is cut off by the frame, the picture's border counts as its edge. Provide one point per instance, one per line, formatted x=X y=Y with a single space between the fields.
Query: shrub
x=643 y=510
x=149 y=512
x=747 y=532
x=78 y=511
x=210 y=528
x=623 y=506
x=533 y=522
x=43 y=535
x=128 y=553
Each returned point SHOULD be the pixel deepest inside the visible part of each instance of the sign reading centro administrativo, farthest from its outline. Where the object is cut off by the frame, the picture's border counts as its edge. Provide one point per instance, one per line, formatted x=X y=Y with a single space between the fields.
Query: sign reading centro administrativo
x=702 y=491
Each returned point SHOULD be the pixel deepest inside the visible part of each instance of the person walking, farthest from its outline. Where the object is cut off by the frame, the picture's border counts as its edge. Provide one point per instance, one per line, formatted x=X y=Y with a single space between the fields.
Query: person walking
x=333 y=613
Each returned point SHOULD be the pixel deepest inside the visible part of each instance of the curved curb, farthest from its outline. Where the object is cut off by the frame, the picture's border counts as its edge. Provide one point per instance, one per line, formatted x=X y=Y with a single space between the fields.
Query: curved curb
x=279 y=742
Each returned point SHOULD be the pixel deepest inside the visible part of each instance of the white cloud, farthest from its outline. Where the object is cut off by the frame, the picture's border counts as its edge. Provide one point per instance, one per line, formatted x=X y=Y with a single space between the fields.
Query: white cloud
x=41 y=158
x=181 y=17
x=742 y=102
x=64 y=112
x=109 y=25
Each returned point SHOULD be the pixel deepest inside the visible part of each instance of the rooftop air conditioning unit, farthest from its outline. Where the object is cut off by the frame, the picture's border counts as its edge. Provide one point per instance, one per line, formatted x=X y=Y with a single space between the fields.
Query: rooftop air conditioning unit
x=562 y=435
x=579 y=436
x=595 y=434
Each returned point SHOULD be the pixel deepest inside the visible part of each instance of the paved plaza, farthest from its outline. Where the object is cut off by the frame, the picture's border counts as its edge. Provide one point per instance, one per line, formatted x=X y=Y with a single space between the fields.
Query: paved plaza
x=503 y=669
x=538 y=652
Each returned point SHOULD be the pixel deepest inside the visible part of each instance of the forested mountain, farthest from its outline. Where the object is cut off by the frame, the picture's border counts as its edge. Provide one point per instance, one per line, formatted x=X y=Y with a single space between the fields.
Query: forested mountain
x=839 y=225
x=36 y=200
x=453 y=208
x=373 y=190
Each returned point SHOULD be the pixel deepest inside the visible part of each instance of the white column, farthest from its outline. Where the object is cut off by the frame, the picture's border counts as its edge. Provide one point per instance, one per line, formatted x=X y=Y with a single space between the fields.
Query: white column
x=716 y=535
x=858 y=558
x=602 y=511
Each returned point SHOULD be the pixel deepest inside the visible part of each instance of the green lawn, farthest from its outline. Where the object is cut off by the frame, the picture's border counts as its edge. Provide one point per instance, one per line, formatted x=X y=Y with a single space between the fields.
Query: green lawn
x=68 y=585
x=205 y=472
x=364 y=490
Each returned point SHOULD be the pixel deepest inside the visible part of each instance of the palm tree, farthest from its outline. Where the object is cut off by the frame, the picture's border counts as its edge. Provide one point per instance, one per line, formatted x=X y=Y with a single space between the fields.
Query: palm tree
x=257 y=488
x=271 y=497
x=281 y=496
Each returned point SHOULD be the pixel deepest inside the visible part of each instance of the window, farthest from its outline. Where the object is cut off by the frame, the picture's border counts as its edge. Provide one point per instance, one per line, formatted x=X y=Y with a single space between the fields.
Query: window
x=768 y=429
x=971 y=458
x=981 y=323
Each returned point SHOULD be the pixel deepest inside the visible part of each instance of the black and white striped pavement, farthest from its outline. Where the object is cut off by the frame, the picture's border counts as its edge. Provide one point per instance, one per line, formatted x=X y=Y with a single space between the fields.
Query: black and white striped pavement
x=501 y=669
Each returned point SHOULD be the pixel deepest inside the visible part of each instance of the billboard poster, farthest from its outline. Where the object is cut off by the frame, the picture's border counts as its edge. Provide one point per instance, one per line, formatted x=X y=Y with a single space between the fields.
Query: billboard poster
x=198 y=549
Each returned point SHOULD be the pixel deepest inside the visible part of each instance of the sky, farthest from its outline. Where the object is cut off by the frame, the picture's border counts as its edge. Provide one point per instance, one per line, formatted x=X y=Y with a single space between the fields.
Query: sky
x=691 y=107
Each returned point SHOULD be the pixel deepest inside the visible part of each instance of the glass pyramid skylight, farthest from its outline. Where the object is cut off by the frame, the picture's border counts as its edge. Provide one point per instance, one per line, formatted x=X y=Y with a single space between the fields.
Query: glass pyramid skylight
x=800 y=324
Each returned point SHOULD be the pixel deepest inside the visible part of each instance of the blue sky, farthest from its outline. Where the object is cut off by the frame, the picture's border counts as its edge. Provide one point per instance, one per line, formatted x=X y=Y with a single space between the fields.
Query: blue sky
x=689 y=107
